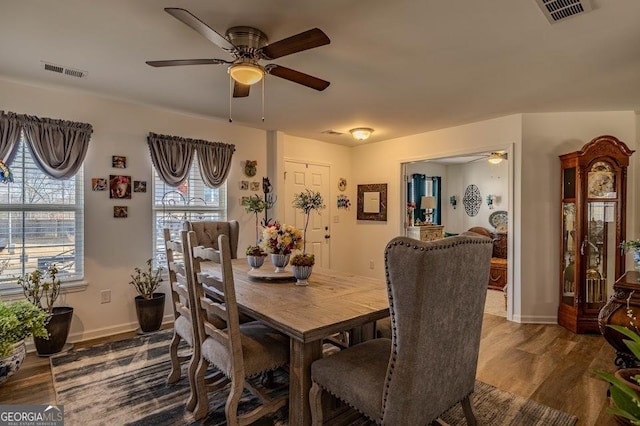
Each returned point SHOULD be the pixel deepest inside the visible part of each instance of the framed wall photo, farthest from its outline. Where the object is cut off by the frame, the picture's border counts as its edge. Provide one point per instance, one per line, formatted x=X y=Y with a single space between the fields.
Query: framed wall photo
x=119 y=186
x=139 y=186
x=120 y=212
x=119 y=162
x=372 y=202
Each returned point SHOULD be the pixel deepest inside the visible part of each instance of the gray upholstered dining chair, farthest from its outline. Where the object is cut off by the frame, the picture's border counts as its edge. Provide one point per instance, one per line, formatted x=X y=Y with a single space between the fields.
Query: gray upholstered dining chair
x=237 y=351
x=436 y=293
x=207 y=232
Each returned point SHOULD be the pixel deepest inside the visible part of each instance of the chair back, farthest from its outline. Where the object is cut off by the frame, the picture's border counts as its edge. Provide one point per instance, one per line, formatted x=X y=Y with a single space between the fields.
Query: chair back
x=224 y=307
x=207 y=232
x=436 y=292
x=180 y=297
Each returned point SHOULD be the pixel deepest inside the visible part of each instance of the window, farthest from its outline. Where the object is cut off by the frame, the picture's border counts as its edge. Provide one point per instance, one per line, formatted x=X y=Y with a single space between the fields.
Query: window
x=192 y=200
x=41 y=222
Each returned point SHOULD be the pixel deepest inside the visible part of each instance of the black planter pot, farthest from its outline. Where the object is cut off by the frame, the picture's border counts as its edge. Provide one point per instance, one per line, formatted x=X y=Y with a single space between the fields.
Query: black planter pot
x=150 y=312
x=58 y=328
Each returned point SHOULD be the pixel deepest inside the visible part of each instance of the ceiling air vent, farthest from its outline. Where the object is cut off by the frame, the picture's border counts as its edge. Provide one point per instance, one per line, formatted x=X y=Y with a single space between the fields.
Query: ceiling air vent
x=558 y=10
x=63 y=70
x=332 y=132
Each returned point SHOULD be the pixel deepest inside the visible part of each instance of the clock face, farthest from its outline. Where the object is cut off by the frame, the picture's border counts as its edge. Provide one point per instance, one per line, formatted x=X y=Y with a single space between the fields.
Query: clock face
x=342 y=184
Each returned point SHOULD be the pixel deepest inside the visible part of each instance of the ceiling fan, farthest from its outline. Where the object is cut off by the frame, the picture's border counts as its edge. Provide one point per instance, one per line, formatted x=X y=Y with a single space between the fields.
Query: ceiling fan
x=249 y=46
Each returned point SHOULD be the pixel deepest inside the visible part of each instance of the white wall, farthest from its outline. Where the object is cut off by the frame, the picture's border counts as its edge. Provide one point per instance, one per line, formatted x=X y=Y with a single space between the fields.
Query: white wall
x=381 y=163
x=115 y=246
x=545 y=137
x=338 y=158
x=490 y=179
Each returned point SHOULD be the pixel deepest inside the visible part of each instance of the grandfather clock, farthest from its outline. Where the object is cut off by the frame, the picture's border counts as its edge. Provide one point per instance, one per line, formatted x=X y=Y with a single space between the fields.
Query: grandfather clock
x=594 y=191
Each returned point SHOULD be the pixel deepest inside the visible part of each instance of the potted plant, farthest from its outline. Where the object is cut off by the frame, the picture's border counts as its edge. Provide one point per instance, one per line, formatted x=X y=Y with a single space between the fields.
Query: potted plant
x=625 y=383
x=17 y=322
x=634 y=245
x=302 y=264
x=42 y=289
x=255 y=256
x=280 y=240
x=149 y=303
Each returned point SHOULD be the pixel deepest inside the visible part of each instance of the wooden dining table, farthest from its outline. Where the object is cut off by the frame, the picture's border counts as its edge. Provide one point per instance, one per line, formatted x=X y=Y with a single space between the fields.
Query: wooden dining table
x=333 y=302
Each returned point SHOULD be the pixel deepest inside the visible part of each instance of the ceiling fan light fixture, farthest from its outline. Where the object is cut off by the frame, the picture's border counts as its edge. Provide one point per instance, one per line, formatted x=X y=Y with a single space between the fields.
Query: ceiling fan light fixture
x=361 y=133
x=246 y=74
x=497 y=157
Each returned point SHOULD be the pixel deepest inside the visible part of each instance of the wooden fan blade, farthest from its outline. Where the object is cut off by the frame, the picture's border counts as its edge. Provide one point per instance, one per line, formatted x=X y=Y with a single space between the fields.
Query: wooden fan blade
x=176 y=62
x=297 y=77
x=188 y=18
x=297 y=43
x=240 y=90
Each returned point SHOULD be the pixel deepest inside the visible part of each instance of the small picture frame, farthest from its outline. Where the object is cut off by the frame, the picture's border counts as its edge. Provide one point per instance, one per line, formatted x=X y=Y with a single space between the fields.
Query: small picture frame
x=119 y=162
x=243 y=200
x=120 y=212
x=244 y=185
x=119 y=186
x=255 y=186
x=139 y=186
x=99 y=184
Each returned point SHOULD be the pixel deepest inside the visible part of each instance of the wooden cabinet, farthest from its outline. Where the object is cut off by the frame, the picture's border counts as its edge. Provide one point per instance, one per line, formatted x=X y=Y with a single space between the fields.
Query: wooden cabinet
x=498 y=273
x=426 y=232
x=593 y=222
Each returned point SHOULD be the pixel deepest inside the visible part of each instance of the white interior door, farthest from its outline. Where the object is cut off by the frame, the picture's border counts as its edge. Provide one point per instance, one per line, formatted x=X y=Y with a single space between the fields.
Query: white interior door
x=298 y=177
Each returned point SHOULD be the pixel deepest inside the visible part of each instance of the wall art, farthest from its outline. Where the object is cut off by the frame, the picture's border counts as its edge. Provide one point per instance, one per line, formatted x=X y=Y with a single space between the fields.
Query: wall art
x=244 y=185
x=99 y=184
x=342 y=184
x=472 y=200
x=120 y=186
x=120 y=211
x=343 y=202
x=255 y=186
x=250 y=167
x=119 y=162
x=372 y=202
x=139 y=186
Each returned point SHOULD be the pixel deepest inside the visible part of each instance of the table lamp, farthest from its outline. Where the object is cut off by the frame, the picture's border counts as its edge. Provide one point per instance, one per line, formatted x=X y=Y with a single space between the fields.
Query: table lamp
x=428 y=203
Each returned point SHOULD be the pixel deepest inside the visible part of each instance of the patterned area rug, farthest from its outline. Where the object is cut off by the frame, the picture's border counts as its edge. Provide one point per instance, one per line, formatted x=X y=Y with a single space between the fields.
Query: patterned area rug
x=124 y=383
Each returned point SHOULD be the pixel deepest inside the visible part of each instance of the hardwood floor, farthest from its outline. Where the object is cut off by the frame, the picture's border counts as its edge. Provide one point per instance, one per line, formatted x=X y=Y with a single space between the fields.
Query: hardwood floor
x=545 y=363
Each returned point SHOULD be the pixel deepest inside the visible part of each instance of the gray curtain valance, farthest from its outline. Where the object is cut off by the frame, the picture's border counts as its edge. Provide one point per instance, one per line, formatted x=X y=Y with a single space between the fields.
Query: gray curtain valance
x=58 y=146
x=9 y=134
x=172 y=157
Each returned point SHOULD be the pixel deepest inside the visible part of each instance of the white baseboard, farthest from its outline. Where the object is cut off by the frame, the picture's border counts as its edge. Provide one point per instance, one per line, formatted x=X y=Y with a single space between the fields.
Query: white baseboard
x=534 y=319
x=103 y=332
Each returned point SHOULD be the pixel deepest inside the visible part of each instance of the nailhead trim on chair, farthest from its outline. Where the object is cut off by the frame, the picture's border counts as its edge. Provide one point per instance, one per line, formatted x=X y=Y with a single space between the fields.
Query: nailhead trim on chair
x=426 y=246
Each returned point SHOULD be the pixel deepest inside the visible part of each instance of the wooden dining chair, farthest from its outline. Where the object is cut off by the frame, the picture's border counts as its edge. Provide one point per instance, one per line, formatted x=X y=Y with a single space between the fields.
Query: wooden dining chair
x=207 y=232
x=238 y=351
x=436 y=294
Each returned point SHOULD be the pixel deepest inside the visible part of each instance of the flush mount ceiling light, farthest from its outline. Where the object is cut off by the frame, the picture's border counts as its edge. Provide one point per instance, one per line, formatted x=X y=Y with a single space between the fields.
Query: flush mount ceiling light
x=361 y=133
x=497 y=157
x=246 y=74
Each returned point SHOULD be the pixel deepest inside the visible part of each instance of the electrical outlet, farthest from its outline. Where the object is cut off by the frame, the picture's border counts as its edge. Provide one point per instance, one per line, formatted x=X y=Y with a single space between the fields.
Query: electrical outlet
x=105 y=296
x=371 y=264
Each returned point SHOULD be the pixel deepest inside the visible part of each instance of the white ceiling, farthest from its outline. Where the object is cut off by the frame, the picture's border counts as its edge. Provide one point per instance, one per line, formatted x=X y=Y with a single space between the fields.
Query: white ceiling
x=401 y=67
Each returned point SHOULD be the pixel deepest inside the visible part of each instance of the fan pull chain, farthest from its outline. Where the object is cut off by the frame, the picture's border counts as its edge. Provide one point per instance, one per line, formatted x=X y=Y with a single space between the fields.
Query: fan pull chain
x=263 y=79
x=230 y=97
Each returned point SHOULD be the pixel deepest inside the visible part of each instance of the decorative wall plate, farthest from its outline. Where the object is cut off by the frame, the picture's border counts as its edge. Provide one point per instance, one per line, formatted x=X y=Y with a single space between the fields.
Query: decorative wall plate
x=499 y=220
x=342 y=184
x=250 y=168
x=472 y=200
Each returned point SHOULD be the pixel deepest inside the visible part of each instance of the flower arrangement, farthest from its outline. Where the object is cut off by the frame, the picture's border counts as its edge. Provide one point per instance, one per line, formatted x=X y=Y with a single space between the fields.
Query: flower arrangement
x=303 y=260
x=18 y=321
x=281 y=239
x=147 y=282
x=5 y=173
x=255 y=251
x=41 y=288
x=307 y=201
